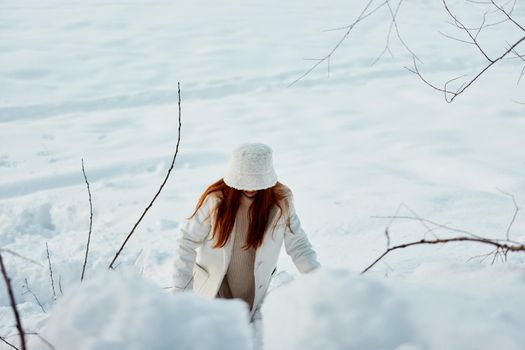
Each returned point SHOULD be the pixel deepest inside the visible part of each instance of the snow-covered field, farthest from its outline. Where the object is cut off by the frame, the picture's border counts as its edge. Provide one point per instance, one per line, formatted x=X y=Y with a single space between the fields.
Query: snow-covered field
x=98 y=80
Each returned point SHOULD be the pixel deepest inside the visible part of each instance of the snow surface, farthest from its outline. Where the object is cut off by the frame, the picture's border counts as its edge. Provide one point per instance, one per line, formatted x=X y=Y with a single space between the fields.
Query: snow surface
x=98 y=80
x=123 y=311
x=338 y=309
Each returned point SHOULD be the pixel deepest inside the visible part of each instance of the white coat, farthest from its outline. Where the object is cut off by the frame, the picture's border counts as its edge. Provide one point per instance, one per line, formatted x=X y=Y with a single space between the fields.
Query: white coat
x=200 y=267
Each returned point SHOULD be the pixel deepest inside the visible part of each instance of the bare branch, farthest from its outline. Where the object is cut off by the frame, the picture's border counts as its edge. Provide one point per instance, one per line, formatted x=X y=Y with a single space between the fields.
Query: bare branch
x=507 y=14
x=8 y=343
x=415 y=70
x=456 y=39
x=502 y=246
x=451 y=95
x=51 y=273
x=445 y=92
x=11 y=295
x=60 y=284
x=90 y=222
x=158 y=192
x=482 y=26
x=28 y=290
x=487 y=25
x=394 y=25
x=483 y=256
x=521 y=57
x=387 y=270
x=516 y=209
x=398 y=34
x=20 y=256
x=442 y=226
x=138 y=256
x=41 y=338
x=364 y=14
x=460 y=25
x=423 y=222
x=387 y=44
x=473 y=33
x=521 y=75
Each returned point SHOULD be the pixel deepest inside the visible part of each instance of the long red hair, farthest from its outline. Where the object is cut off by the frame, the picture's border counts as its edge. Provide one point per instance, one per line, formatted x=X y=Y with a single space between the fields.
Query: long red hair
x=259 y=212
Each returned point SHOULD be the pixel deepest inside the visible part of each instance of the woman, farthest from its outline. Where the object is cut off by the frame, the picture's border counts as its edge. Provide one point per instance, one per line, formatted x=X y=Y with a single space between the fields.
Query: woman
x=229 y=247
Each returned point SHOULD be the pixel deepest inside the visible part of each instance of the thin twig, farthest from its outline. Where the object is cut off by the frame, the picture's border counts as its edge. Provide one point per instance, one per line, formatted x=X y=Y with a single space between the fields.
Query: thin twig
x=454 y=94
x=389 y=33
x=460 y=25
x=448 y=36
x=34 y=295
x=8 y=343
x=398 y=34
x=388 y=267
x=51 y=273
x=41 y=338
x=158 y=192
x=482 y=26
x=450 y=95
x=20 y=256
x=502 y=246
x=516 y=209
x=422 y=220
x=349 y=28
x=90 y=222
x=521 y=57
x=508 y=15
x=60 y=284
x=487 y=25
x=483 y=256
x=11 y=295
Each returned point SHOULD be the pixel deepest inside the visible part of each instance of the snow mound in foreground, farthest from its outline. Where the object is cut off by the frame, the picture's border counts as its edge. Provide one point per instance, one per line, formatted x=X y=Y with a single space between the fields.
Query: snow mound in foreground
x=115 y=310
x=338 y=309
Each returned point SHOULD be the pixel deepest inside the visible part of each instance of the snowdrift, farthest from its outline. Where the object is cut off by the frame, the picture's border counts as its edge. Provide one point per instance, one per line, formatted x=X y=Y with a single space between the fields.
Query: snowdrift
x=338 y=309
x=116 y=310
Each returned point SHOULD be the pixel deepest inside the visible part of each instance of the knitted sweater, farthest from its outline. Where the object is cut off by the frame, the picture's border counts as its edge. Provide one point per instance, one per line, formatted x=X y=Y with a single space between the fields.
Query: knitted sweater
x=239 y=279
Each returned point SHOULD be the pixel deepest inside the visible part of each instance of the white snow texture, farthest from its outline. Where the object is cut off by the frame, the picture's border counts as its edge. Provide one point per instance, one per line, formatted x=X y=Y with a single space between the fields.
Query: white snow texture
x=117 y=310
x=97 y=80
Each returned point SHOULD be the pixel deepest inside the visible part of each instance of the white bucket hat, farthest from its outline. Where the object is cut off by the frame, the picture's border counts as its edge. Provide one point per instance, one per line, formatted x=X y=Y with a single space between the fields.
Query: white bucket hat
x=251 y=168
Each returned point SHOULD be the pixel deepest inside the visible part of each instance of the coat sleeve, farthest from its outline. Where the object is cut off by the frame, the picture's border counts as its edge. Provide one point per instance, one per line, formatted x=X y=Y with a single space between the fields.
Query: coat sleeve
x=296 y=242
x=193 y=234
